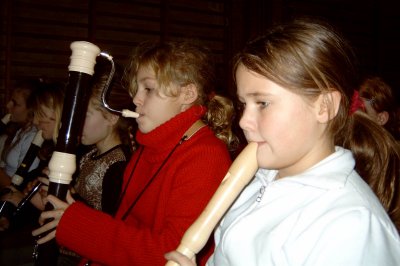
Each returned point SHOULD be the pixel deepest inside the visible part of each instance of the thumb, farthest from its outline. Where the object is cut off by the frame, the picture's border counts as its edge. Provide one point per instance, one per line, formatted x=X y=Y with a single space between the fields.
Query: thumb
x=56 y=202
x=69 y=198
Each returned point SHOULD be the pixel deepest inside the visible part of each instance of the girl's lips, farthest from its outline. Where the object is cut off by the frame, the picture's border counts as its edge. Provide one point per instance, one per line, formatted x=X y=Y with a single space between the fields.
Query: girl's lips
x=139 y=117
x=257 y=141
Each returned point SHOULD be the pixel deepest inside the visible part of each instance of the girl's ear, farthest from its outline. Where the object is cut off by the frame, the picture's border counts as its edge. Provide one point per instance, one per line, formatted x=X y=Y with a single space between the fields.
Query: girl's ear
x=188 y=96
x=327 y=106
x=113 y=119
x=189 y=93
x=382 y=118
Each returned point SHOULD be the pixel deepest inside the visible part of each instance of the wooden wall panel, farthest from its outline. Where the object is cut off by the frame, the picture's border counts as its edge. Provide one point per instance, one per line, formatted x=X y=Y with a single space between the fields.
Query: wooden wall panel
x=36 y=34
x=37 y=39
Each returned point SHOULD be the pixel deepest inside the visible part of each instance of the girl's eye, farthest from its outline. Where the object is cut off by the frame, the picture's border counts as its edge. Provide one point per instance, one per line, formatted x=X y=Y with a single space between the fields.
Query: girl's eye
x=263 y=104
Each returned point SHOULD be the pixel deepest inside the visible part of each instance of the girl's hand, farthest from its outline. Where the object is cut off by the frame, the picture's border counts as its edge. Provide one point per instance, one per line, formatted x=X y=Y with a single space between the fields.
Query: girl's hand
x=39 y=200
x=30 y=186
x=4 y=223
x=14 y=196
x=54 y=216
x=179 y=258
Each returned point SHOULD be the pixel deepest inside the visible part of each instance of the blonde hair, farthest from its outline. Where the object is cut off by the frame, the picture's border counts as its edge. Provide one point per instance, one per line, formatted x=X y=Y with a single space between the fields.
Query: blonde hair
x=310 y=58
x=50 y=95
x=182 y=63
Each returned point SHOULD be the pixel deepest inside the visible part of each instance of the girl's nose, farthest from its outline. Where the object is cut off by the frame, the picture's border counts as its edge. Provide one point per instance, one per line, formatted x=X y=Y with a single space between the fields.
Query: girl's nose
x=9 y=105
x=137 y=100
x=246 y=122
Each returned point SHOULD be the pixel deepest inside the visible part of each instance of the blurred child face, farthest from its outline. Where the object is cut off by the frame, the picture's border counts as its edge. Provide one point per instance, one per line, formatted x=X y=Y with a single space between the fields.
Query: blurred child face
x=283 y=124
x=154 y=107
x=96 y=128
x=370 y=110
x=17 y=107
x=46 y=121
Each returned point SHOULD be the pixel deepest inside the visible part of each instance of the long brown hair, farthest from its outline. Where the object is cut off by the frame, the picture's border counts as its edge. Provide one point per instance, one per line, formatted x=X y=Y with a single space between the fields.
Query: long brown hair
x=311 y=58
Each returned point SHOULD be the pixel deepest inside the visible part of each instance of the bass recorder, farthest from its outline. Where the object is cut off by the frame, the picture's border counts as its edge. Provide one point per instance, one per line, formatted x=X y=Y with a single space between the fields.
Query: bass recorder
x=62 y=164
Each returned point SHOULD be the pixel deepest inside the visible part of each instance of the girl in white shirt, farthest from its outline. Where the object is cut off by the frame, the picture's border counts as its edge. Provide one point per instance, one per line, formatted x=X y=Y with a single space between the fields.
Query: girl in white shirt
x=309 y=203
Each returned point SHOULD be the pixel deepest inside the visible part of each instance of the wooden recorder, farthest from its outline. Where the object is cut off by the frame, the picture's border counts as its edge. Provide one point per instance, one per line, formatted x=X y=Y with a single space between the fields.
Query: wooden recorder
x=239 y=175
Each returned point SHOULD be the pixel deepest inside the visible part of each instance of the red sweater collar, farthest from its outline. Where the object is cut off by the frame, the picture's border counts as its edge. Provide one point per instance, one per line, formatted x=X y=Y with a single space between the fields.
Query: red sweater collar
x=168 y=134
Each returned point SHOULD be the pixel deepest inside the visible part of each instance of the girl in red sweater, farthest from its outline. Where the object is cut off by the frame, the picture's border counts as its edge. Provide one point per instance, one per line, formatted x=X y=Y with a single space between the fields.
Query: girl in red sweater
x=184 y=135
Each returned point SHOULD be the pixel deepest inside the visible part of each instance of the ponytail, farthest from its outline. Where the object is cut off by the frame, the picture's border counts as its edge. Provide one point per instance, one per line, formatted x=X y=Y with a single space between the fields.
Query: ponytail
x=377 y=157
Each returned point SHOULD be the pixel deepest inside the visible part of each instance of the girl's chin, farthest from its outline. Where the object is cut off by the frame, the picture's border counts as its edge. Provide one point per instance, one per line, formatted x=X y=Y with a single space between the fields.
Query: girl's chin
x=84 y=142
x=47 y=137
x=263 y=157
x=143 y=129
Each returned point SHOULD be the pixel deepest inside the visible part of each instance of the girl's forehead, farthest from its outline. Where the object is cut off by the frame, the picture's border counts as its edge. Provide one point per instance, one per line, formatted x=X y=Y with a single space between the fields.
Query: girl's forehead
x=18 y=97
x=146 y=68
x=18 y=93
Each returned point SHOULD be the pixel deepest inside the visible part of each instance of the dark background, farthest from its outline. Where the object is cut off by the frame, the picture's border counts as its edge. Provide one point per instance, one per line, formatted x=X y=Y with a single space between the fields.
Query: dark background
x=36 y=34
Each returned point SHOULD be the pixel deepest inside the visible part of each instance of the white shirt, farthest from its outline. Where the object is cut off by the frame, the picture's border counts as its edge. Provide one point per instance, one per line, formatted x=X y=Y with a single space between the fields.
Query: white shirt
x=17 y=153
x=325 y=216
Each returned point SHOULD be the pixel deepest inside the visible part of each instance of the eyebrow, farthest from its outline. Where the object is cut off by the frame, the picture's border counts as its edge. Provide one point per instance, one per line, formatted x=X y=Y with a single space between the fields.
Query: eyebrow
x=255 y=94
x=146 y=78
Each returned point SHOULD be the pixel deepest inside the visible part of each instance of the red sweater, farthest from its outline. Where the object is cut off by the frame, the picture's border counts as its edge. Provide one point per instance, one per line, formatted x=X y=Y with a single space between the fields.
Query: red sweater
x=166 y=208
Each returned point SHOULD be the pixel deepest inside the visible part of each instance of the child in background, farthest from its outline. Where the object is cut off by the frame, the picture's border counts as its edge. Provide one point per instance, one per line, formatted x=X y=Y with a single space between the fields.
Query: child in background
x=47 y=105
x=307 y=204
x=380 y=104
x=99 y=181
x=101 y=168
x=16 y=142
x=184 y=132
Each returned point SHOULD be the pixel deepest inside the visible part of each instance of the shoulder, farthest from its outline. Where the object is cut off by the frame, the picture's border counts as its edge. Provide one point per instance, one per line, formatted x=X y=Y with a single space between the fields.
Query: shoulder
x=369 y=228
x=28 y=134
x=117 y=156
x=205 y=141
x=348 y=211
x=359 y=219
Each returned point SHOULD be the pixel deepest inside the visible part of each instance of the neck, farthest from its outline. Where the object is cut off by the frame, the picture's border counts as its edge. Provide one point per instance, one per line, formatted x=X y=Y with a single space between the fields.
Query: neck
x=26 y=125
x=107 y=145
